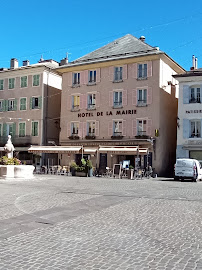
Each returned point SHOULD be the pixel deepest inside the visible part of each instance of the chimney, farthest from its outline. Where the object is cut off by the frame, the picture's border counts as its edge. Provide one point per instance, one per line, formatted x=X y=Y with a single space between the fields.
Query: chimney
x=13 y=63
x=64 y=61
x=196 y=63
x=25 y=63
x=142 y=38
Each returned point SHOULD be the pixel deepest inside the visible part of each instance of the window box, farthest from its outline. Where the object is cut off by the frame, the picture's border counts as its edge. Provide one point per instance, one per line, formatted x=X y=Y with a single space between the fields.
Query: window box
x=142 y=136
x=90 y=137
x=117 y=137
x=74 y=137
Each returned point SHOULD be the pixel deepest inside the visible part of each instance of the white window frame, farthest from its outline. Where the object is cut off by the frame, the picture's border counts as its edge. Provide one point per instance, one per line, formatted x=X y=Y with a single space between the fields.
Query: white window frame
x=118 y=74
x=1 y=84
x=142 y=98
x=73 y=106
x=76 y=78
x=22 y=83
x=92 y=76
x=117 y=130
x=193 y=95
x=11 y=104
x=33 y=100
x=92 y=105
x=35 y=80
x=194 y=123
x=8 y=125
x=37 y=129
x=11 y=83
x=142 y=71
x=25 y=104
x=19 y=129
x=141 y=127
x=90 y=126
x=72 y=127
x=119 y=103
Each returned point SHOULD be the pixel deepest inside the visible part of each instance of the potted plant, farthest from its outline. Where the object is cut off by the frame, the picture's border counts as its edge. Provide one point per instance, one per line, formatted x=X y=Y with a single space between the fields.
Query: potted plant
x=82 y=170
x=130 y=172
x=73 y=168
x=90 y=167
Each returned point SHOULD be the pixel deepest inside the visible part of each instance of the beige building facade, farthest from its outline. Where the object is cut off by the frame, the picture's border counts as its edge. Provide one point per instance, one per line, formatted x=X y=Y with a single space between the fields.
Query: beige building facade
x=120 y=96
x=30 y=98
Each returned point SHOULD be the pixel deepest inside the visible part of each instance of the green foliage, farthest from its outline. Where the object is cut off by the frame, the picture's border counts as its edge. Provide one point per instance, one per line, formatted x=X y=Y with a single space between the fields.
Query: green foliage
x=131 y=167
x=9 y=161
x=89 y=164
x=73 y=165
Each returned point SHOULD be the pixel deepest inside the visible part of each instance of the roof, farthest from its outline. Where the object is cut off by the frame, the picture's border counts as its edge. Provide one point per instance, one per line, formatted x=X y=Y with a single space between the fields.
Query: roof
x=190 y=73
x=124 y=47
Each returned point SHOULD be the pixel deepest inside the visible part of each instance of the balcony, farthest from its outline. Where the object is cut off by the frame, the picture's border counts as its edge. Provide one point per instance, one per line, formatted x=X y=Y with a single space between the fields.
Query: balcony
x=195 y=100
x=142 y=103
x=117 y=104
x=142 y=135
x=117 y=135
x=17 y=140
x=91 y=107
x=74 y=136
x=90 y=136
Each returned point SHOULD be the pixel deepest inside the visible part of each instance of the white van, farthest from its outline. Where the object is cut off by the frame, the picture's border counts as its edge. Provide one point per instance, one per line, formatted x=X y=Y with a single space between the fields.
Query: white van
x=186 y=168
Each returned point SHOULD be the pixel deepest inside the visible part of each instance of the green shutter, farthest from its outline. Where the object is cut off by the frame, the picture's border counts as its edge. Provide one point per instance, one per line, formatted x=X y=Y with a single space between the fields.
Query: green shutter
x=5 y=105
x=15 y=104
x=32 y=128
x=40 y=102
x=14 y=129
x=4 y=129
x=31 y=103
x=0 y=129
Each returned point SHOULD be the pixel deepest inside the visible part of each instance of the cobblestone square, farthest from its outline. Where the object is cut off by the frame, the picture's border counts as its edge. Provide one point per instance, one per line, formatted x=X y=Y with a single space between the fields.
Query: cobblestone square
x=59 y=222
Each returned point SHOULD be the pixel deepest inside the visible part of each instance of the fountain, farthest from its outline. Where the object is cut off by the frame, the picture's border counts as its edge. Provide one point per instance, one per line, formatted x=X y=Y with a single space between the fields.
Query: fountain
x=12 y=167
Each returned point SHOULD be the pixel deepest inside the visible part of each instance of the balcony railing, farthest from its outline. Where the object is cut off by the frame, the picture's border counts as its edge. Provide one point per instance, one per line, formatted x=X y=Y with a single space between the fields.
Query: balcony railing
x=91 y=106
x=142 y=102
x=194 y=100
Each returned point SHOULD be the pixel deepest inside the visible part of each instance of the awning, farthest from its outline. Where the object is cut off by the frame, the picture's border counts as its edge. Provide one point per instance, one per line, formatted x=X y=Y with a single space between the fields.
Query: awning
x=90 y=150
x=54 y=149
x=129 y=150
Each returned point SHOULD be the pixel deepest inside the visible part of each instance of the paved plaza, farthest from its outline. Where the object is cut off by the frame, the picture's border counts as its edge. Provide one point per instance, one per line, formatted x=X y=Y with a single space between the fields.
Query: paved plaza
x=59 y=222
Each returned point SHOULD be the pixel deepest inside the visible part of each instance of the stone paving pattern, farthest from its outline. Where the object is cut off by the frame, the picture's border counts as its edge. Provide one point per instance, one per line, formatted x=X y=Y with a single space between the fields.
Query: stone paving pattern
x=60 y=222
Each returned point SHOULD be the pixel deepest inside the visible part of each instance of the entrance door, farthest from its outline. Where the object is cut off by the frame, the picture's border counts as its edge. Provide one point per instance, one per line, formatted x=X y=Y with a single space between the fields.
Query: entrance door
x=103 y=162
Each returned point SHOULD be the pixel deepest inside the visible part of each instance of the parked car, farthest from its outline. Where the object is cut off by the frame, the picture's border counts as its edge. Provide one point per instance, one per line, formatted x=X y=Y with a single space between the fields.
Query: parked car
x=186 y=168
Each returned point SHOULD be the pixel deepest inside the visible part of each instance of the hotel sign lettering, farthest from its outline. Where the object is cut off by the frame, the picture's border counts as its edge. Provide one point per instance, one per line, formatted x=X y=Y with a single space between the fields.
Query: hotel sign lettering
x=194 y=111
x=108 y=113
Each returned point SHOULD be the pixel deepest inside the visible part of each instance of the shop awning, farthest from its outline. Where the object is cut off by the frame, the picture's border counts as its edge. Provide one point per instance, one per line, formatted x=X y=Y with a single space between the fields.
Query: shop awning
x=54 y=149
x=90 y=150
x=128 y=150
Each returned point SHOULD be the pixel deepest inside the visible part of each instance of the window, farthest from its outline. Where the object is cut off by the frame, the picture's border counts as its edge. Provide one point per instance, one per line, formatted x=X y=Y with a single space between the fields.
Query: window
x=24 y=81
x=76 y=78
x=91 y=101
x=11 y=105
x=117 y=128
x=21 y=129
x=91 y=128
x=75 y=102
x=118 y=74
x=1 y=105
x=195 y=95
x=141 y=127
x=11 y=83
x=9 y=129
x=142 y=71
x=142 y=97
x=92 y=76
x=195 y=129
x=35 y=103
x=117 y=99
x=75 y=128
x=36 y=80
x=1 y=133
x=1 y=84
x=35 y=127
x=23 y=104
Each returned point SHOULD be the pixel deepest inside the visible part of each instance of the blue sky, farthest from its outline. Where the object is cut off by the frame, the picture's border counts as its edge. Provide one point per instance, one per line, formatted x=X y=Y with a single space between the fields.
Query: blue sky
x=30 y=29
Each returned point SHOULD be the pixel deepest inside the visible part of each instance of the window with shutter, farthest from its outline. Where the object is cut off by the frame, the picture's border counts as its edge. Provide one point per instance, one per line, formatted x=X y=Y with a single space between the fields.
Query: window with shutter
x=1 y=129
x=142 y=71
x=142 y=97
x=35 y=128
x=11 y=83
x=21 y=129
x=117 y=99
x=11 y=104
x=91 y=76
x=1 y=105
x=91 y=101
x=75 y=103
x=36 y=80
x=75 y=79
x=23 y=81
x=1 y=84
x=118 y=74
x=23 y=104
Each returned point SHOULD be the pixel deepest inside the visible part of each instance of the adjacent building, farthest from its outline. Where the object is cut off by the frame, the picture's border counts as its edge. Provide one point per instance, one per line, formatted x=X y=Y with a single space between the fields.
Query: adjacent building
x=119 y=103
x=189 y=131
x=30 y=100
